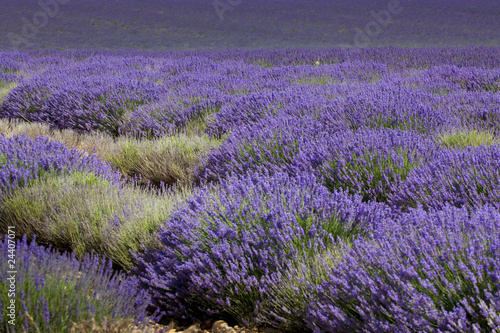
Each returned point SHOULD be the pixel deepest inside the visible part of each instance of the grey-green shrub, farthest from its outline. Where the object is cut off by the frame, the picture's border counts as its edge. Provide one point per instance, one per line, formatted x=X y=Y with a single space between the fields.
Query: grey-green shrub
x=82 y=212
x=467 y=138
x=5 y=88
x=169 y=160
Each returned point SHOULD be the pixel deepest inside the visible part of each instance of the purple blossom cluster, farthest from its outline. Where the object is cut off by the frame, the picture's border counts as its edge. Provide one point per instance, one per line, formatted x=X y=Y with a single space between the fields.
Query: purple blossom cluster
x=470 y=79
x=23 y=159
x=425 y=271
x=373 y=163
x=9 y=68
x=8 y=63
x=54 y=290
x=281 y=144
x=469 y=177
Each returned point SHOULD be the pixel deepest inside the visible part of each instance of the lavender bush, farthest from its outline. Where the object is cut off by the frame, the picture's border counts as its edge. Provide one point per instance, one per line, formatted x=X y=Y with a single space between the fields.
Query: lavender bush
x=373 y=163
x=223 y=252
x=23 y=160
x=274 y=144
x=463 y=177
x=54 y=290
x=425 y=271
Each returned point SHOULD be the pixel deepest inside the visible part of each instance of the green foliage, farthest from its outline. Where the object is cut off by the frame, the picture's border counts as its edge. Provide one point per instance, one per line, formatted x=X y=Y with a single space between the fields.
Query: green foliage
x=3 y=159
x=315 y=81
x=5 y=88
x=82 y=213
x=264 y=64
x=415 y=123
x=197 y=124
x=171 y=159
x=464 y=138
x=290 y=297
x=335 y=228
x=441 y=92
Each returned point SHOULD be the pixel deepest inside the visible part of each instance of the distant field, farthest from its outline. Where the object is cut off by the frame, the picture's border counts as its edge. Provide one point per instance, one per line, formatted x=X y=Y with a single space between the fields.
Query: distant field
x=229 y=24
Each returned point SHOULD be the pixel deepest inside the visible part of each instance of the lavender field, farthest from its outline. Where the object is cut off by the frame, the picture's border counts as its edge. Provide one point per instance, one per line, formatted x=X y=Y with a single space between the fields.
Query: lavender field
x=249 y=166
x=301 y=190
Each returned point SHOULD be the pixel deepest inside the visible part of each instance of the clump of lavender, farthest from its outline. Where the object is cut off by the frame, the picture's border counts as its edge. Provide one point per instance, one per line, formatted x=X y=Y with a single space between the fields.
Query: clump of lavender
x=243 y=110
x=225 y=251
x=54 y=290
x=422 y=272
x=9 y=63
x=395 y=106
x=276 y=144
x=170 y=115
x=23 y=159
x=469 y=78
x=373 y=162
x=460 y=177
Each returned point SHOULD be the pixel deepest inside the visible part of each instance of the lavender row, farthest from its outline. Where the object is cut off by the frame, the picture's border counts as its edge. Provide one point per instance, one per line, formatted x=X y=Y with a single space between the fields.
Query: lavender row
x=402 y=168
x=152 y=95
x=482 y=57
x=23 y=160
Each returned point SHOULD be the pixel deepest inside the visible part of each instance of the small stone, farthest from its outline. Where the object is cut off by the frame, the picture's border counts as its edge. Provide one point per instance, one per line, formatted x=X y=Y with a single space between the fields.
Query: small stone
x=220 y=326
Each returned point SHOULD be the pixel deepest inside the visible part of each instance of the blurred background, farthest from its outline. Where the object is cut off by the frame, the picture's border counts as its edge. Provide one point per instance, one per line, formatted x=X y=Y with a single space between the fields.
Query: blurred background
x=228 y=24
